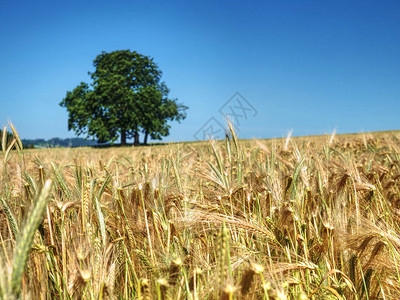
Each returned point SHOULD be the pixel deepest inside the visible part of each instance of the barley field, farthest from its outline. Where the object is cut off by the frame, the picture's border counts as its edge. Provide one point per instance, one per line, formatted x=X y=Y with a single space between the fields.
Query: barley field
x=296 y=218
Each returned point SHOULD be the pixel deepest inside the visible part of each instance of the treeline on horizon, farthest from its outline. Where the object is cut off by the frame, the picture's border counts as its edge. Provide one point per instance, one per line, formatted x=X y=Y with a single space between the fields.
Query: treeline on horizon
x=51 y=143
x=58 y=142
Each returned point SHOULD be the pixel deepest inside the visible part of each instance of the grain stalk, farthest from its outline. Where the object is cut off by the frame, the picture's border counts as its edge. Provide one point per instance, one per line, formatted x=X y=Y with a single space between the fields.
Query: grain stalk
x=24 y=243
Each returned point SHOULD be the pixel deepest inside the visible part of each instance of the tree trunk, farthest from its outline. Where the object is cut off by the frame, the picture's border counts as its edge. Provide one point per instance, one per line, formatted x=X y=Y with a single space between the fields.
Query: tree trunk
x=136 y=138
x=123 y=137
x=146 y=134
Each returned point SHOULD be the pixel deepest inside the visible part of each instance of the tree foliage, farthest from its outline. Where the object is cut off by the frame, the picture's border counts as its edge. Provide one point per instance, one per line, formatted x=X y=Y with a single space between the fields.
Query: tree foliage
x=126 y=98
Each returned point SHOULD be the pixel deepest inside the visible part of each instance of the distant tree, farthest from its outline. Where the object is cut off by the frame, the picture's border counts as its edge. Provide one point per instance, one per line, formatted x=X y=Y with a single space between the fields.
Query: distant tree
x=125 y=98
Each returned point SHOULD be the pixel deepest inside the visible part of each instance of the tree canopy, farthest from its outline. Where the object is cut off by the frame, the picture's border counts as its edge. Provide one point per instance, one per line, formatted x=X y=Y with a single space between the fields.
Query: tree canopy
x=126 y=98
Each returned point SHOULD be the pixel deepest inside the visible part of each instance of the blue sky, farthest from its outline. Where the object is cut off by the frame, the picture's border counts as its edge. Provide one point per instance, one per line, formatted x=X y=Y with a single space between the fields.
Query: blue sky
x=310 y=66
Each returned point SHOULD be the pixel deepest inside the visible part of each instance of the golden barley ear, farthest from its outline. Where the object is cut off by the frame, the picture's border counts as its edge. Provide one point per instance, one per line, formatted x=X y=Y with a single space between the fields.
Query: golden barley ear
x=10 y=217
x=353 y=269
x=227 y=292
x=144 y=290
x=77 y=282
x=25 y=241
x=110 y=281
x=223 y=258
x=248 y=277
x=174 y=271
x=16 y=136
x=234 y=137
x=302 y=296
x=4 y=139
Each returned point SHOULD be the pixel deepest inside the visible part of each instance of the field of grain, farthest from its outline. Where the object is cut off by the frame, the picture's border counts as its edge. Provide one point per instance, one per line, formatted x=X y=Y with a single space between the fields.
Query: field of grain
x=300 y=218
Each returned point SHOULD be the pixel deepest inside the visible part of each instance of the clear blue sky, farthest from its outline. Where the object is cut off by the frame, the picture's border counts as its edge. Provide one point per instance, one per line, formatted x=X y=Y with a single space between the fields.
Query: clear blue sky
x=310 y=66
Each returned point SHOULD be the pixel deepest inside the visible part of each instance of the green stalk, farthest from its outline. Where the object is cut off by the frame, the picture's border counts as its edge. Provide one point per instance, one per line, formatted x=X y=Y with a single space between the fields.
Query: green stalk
x=10 y=217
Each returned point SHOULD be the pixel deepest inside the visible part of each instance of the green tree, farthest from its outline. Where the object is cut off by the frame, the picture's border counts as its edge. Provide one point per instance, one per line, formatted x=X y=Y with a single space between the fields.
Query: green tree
x=125 y=98
x=156 y=110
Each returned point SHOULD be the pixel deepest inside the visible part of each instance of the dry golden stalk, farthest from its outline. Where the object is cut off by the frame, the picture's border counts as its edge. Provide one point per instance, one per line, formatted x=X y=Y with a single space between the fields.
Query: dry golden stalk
x=110 y=281
x=41 y=175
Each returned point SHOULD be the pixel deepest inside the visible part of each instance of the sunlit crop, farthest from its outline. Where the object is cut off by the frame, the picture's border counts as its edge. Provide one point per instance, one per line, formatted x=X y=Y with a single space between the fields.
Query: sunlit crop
x=299 y=218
